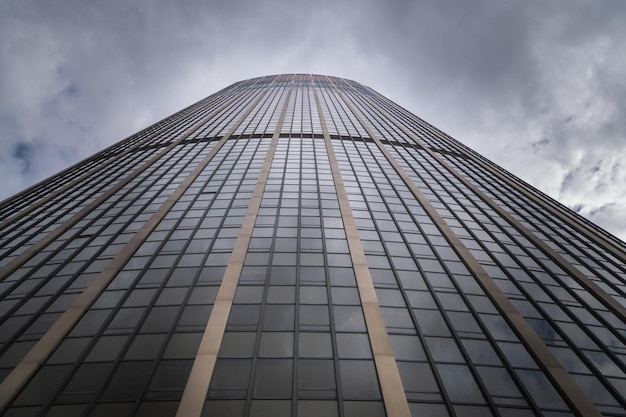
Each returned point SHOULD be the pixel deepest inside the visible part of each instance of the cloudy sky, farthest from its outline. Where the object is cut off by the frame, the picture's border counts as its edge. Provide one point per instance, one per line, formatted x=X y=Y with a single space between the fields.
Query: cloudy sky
x=537 y=86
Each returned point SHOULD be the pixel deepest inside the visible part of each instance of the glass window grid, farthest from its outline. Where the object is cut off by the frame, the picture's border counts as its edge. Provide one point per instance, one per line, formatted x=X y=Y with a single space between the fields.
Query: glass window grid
x=67 y=271
x=454 y=144
x=488 y=219
x=507 y=282
x=218 y=125
x=255 y=116
x=302 y=160
x=568 y=243
x=266 y=116
x=369 y=164
x=132 y=301
x=609 y=290
x=609 y=278
x=376 y=121
x=553 y=266
x=350 y=122
x=27 y=232
x=233 y=123
x=504 y=190
x=342 y=124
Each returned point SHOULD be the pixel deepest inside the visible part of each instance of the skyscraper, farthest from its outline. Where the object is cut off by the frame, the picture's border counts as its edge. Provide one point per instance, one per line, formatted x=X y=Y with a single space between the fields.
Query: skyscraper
x=299 y=245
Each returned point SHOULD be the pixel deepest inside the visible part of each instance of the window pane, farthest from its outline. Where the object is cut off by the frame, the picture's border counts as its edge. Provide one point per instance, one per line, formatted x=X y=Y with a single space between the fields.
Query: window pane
x=316 y=378
x=407 y=347
x=315 y=345
x=230 y=377
x=358 y=380
x=41 y=388
x=353 y=345
x=273 y=378
x=237 y=345
x=460 y=384
x=278 y=317
x=107 y=348
x=128 y=381
x=348 y=319
x=275 y=344
x=183 y=346
x=317 y=408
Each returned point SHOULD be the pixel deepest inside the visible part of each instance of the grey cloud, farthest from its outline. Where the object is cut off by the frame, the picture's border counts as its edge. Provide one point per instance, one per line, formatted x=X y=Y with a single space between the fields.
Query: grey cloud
x=24 y=152
x=537 y=87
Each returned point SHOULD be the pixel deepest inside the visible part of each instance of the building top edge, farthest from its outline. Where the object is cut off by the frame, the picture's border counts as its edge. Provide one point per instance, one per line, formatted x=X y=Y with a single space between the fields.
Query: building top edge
x=302 y=77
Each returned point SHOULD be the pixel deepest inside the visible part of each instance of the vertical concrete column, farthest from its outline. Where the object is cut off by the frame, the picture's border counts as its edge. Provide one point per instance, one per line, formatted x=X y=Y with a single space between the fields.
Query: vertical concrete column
x=391 y=386
x=197 y=386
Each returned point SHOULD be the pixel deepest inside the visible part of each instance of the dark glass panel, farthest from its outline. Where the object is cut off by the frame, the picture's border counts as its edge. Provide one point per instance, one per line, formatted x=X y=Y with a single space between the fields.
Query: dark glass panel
x=280 y=294
x=230 y=378
x=460 y=384
x=249 y=294
x=272 y=378
x=69 y=410
x=348 y=319
x=90 y=323
x=353 y=346
x=145 y=346
x=69 y=350
x=278 y=317
x=317 y=408
x=128 y=381
x=169 y=380
x=345 y=295
x=314 y=317
x=85 y=382
x=223 y=408
x=517 y=355
x=283 y=275
x=107 y=348
x=316 y=378
x=417 y=379
x=358 y=380
x=313 y=295
x=315 y=345
x=270 y=408
x=364 y=409
x=160 y=319
x=157 y=409
x=126 y=318
x=481 y=352
x=428 y=410
x=182 y=346
x=42 y=387
x=276 y=344
x=431 y=322
x=113 y=409
x=443 y=349
x=541 y=390
x=237 y=344
x=498 y=382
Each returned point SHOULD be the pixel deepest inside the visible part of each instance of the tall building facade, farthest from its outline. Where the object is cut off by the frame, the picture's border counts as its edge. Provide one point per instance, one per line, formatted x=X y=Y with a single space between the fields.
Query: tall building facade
x=299 y=245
